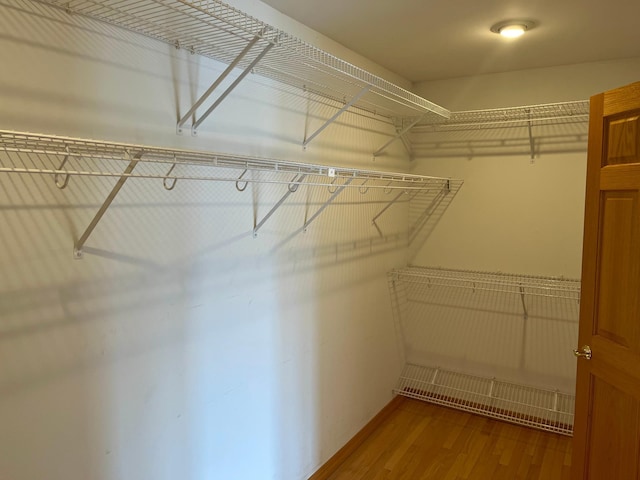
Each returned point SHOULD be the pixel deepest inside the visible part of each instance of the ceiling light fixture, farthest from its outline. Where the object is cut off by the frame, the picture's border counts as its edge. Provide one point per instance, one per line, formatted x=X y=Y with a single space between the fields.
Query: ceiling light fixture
x=512 y=28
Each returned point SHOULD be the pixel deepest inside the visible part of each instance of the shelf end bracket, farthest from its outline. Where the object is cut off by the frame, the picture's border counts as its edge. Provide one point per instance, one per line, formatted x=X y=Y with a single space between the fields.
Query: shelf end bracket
x=348 y=105
x=77 y=248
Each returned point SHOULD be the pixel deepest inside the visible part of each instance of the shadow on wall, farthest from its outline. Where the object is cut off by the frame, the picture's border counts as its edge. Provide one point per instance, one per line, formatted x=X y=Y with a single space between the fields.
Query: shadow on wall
x=173 y=282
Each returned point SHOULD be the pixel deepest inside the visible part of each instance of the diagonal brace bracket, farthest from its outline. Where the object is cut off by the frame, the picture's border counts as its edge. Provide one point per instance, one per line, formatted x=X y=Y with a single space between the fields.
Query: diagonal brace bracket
x=524 y=305
x=348 y=105
x=218 y=81
x=400 y=134
x=77 y=249
x=437 y=200
x=333 y=196
x=395 y=199
x=292 y=188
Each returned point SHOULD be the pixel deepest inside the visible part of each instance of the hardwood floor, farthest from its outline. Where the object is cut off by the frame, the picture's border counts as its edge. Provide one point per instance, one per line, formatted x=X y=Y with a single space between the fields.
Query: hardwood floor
x=421 y=441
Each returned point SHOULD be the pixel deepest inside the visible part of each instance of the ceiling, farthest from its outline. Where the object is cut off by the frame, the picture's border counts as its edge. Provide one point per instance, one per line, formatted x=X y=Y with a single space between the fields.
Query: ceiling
x=425 y=40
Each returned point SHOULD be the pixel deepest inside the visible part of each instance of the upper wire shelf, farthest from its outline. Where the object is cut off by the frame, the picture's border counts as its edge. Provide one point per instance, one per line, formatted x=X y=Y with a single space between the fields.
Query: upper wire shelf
x=543 y=114
x=540 y=286
x=216 y=30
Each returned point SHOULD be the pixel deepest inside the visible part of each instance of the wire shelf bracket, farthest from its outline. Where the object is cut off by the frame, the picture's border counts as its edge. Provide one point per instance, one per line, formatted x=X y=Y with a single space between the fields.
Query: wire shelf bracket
x=77 y=249
x=399 y=135
x=335 y=117
x=218 y=81
x=333 y=196
x=292 y=188
x=437 y=200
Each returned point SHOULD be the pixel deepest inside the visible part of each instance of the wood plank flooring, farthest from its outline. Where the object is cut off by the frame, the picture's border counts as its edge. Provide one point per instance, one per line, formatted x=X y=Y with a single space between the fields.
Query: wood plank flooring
x=421 y=441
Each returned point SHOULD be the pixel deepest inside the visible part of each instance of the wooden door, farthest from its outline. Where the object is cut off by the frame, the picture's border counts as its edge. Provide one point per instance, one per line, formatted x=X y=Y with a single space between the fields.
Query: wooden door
x=607 y=423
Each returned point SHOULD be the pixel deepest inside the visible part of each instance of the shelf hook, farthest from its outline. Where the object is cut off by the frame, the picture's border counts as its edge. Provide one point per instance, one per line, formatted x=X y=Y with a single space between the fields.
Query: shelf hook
x=56 y=177
x=386 y=190
x=332 y=189
x=363 y=190
x=166 y=185
x=244 y=187
x=295 y=183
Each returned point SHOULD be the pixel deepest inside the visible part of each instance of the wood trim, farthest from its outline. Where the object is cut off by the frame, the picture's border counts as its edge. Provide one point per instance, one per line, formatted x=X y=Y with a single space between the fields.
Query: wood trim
x=331 y=465
x=588 y=288
x=617 y=100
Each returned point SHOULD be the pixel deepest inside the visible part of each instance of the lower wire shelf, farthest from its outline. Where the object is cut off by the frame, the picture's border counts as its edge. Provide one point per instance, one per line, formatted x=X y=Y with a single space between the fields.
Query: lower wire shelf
x=547 y=410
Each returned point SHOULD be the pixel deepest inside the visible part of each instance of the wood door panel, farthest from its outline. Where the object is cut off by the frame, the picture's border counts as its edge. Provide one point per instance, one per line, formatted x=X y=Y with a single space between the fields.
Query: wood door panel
x=619 y=267
x=623 y=141
x=607 y=421
x=614 y=417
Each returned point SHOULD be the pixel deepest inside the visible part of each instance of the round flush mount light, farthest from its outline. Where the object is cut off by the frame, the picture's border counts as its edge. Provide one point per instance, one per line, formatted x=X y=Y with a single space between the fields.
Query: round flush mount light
x=512 y=28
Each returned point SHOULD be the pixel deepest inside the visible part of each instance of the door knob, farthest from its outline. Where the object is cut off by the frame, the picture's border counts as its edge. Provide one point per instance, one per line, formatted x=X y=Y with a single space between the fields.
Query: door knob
x=585 y=352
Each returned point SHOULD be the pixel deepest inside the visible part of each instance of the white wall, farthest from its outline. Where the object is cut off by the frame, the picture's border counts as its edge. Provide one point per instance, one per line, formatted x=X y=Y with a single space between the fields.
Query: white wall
x=181 y=347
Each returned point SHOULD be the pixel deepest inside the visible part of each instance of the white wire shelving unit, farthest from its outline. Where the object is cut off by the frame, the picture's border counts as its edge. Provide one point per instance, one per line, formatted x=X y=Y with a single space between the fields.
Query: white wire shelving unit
x=532 y=407
x=216 y=30
x=418 y=292
x=64 y=158
x=553 y=128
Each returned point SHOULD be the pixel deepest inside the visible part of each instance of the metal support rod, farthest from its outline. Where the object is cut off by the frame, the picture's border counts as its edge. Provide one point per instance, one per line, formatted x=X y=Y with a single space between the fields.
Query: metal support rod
x=446 y=188
x=327 y=203
x=277 y=205
x=524 y=305
x=415 y=228
x=232 y=86
x=218 y=81
x=396 y=198
x=338 y=113
x=77 y=250
x=398 y=135
x=531 y=141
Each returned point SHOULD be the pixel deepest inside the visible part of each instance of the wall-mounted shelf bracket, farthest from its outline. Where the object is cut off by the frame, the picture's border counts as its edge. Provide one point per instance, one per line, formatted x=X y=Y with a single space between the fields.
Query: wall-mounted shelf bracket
x=218 y=81
x=415 y=228
x=333 y=196
x=346 y=107
x=532 y=144
x=386 y=207
x=524 y=305
x=77 y=249
x=405 y=139
x=291 y=188
x=398 y=135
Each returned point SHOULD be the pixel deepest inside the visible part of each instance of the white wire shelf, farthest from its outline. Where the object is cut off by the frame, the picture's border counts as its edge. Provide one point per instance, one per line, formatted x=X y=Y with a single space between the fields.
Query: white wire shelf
x=520 y=404
x=529 y=285
x=533 y=129
x=542 y=114
x=64 y=158
x=45 y=154
x=216 y=30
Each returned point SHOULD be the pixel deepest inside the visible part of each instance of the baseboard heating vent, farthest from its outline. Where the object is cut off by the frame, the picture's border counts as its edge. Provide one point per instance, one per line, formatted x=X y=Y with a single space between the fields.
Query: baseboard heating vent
x=524 y=405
